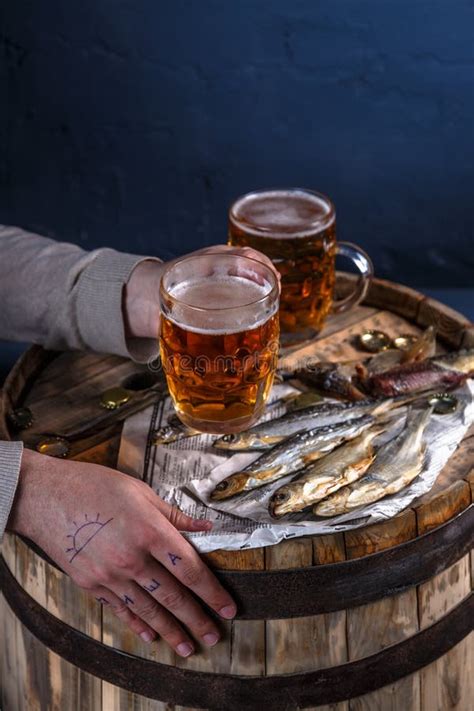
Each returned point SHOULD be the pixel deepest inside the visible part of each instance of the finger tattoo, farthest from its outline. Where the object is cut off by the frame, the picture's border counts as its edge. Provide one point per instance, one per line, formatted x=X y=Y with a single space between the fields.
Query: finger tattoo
x=154 y=585
x=173 y=558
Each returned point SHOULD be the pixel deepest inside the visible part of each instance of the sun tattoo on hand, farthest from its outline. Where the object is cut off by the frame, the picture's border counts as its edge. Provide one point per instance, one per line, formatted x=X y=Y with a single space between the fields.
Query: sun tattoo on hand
x=84 y=534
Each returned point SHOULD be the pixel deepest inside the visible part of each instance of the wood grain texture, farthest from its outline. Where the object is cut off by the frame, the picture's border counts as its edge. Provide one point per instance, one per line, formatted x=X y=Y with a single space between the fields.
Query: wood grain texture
x=403 y=695
x=446 y=684
x=397 y=298
x=443 y=592
x=372 y=627
x=443 y=506
x=11 y=695
x=450 y=325
x=116 y=635
x=288 y=642
x=377 y=625
x=304 y=643
x=467 y=340
x=371 y=539
x=328 y=549
x=341 y=344
x=252 y=559
x=247 y=642
x=63 y=599
x=12 y=685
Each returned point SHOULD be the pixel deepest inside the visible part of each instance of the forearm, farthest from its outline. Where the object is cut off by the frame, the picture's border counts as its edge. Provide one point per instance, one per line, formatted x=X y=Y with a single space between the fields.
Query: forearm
x=10 y=463
x=62 y=297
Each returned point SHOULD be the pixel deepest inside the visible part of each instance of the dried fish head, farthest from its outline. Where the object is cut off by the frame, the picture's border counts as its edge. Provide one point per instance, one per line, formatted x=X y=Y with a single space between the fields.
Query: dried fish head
x=245 y=440
x=232 y=485
x=287 y=499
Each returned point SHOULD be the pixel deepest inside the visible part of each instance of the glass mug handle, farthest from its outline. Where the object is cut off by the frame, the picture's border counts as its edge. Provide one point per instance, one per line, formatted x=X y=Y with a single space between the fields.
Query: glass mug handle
x=364 y=264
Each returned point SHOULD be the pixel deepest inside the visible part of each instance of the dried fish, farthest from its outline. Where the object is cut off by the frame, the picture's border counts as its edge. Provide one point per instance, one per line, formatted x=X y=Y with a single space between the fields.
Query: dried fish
x=268 y=434
x=343 y=465
x=397 y=463
x=176 y=430
x=445 y=371
x=332 y=378
x=348 y=379
x=290 y=456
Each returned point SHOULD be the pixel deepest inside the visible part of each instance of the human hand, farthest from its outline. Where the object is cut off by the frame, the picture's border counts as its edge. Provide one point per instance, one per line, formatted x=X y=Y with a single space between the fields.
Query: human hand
x=142 y=293
x=121 y=543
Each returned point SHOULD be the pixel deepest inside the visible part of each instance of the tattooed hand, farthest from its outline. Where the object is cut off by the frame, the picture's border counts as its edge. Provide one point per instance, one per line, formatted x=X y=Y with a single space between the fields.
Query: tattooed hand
x=119 y=541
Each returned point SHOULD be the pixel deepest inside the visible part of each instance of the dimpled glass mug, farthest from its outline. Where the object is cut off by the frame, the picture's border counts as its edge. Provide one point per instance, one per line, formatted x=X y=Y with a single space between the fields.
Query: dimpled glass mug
x=296 y=228
x=219 y=339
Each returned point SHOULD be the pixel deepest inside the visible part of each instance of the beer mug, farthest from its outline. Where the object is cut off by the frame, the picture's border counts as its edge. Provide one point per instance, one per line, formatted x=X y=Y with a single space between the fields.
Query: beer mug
x=219 y=339
x=296 y=228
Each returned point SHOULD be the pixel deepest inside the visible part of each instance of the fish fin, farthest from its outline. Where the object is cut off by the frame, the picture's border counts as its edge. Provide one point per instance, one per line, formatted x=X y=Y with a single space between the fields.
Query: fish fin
x=423 y=347
x=362 y=372
x=313 y=456
x=383 y=406
x=264 y=473
x=362 y=465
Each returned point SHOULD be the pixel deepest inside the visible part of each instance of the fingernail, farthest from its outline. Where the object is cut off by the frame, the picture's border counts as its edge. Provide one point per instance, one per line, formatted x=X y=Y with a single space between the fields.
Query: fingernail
x=147 y=636
x=211 y=638
x=184 y=649
x=228 y=611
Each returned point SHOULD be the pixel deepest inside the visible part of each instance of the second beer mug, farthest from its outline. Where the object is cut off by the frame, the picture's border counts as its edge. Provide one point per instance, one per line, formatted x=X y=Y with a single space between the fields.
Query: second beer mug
x=296 y=228
x=219 y=339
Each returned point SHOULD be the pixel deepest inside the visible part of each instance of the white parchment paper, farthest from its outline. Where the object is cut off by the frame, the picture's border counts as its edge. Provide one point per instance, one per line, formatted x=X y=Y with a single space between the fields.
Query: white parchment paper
x=185 y=472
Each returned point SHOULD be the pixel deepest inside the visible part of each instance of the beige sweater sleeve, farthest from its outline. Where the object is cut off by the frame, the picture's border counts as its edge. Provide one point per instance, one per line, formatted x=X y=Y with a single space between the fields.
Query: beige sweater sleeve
x=62 y=297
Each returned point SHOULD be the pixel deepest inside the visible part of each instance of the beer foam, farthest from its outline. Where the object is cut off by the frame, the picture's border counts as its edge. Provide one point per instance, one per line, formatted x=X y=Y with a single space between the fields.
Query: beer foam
x=286 y=214
x=214 y=294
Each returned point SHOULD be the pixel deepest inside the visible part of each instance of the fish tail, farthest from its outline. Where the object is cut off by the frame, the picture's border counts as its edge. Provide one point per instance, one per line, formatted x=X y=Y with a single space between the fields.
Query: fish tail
x=418 y=422
x=383 y=407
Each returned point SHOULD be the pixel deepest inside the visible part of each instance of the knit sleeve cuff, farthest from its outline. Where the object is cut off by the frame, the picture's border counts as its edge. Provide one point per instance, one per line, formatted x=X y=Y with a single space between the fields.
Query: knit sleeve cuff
x=99 y=306
x=10 y=462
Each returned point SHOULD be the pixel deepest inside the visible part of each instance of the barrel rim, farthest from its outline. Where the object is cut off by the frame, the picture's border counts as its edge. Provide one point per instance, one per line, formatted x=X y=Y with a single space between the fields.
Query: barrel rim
x=159 y=681
x=320 y=589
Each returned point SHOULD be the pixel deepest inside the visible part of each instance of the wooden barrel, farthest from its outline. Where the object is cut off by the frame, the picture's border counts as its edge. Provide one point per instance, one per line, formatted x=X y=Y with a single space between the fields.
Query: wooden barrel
x=378 y=618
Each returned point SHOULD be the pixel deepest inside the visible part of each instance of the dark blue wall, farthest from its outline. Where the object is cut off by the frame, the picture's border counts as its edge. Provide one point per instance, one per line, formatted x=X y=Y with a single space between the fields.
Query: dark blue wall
x=133 y=123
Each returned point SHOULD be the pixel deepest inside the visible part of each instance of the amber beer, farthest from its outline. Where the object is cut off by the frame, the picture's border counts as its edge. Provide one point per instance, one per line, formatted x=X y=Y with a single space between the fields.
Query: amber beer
x=219 y=339
x=296 y=228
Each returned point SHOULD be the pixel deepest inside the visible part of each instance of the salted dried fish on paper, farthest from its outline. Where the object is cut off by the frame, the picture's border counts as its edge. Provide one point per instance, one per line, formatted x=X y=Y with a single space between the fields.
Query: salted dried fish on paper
x=268 y=434
x=347 y=379
x=343 y=465
x=185 y=472
x=444 y=371
x=396 y=465
x=289 y=456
